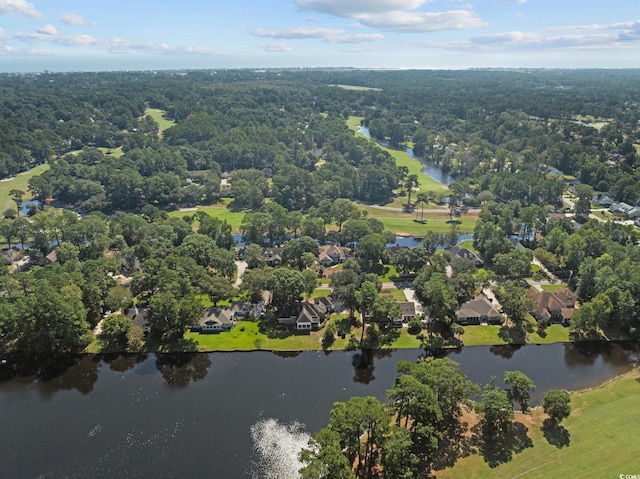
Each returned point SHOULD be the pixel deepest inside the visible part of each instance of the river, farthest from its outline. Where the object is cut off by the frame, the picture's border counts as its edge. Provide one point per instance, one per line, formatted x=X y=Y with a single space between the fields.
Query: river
x=227 y=415
x=429 y=167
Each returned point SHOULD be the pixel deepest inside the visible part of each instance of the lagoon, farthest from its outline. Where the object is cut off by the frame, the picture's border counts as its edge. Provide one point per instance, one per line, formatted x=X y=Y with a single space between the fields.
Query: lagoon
x=228 y=414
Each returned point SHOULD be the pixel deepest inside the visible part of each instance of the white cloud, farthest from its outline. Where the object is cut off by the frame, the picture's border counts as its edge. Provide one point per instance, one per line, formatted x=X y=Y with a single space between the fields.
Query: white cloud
x=73 y=19
x=353 y=8
x=395 y=15
x=329 y=35
x=112 y=45
x=508 y=1
x=536 y=40
x=277 y=47
x=59 y=39
x=48 y=30
x=360 y=38
x=633 y=26
x=422 y=21
x=18 y=7
x=298 y=32
x=3 y=36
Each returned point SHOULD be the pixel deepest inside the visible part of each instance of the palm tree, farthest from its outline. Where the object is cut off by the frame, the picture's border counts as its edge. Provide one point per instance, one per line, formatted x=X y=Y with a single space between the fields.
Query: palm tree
x=410 y=183
x=422 y=198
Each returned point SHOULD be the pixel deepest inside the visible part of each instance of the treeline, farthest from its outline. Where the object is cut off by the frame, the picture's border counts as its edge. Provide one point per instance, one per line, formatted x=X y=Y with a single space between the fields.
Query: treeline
x=478 y=124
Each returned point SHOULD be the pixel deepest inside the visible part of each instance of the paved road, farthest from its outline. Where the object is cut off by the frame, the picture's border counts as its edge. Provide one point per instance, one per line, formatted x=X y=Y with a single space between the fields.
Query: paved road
x=241 y=266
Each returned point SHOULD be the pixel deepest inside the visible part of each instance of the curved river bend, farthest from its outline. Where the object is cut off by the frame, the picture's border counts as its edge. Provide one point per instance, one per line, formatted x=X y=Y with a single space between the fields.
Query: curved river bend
x=228 y=415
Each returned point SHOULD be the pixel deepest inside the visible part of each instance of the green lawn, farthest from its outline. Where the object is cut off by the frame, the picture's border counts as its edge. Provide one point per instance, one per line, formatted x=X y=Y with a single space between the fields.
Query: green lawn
x=556 y=333
x=220 y=211
x=400 y=222
x=406 y=341
x=553 y=287
x=353 y=123
x=600 y=439
x=395 y=293
x=468 y=244
x=481 y=335
x=115 y=152
x=19 y=182
x=158 y=116
x=245 y=336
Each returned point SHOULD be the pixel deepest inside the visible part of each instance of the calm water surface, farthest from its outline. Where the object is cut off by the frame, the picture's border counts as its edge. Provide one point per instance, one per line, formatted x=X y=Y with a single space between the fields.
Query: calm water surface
x=228 y=415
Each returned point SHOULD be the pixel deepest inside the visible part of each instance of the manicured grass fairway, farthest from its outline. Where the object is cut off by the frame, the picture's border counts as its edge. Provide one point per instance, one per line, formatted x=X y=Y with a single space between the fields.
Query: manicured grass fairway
x=603 y=439
x=116 y=152
x=158 y=116
x=19 y=182
x=401 y=222
x=427 y=184
x=220 y=211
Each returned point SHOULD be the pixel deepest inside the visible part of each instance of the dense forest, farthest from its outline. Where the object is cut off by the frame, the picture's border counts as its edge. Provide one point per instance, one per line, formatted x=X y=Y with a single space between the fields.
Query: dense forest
x=274 y=145
x=479 y=124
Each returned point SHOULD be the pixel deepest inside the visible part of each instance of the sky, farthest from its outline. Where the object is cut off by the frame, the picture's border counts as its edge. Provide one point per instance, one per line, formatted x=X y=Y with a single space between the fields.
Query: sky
x=95 y=35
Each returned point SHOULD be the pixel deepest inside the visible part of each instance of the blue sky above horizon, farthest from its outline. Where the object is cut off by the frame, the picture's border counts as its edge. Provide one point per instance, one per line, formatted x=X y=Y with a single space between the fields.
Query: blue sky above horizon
x=74 y=35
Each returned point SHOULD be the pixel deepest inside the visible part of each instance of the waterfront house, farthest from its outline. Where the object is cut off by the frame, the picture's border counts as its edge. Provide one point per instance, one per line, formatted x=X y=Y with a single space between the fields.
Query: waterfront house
x=553 y=307
x=215 y=320
x=478 y=310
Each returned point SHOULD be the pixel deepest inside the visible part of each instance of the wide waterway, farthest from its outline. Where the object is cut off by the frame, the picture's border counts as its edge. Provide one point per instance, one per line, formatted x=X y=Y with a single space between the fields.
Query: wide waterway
x=228 y=415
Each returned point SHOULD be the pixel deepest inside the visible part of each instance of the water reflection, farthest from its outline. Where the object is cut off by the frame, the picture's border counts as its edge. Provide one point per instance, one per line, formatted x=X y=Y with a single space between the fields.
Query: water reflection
x=52 y=373
x=123 y=362
x=179 y=369
x=363 y=362
x=505 y=351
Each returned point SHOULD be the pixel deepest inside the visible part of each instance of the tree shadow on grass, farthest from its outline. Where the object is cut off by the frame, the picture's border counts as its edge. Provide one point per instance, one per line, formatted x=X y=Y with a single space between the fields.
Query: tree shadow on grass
x=499 y=449
x=453 y=445
x=513 y=334
x=555 y=434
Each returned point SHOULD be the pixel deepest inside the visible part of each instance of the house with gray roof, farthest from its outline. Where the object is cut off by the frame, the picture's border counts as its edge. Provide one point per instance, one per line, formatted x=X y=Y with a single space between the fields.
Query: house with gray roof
x=215 y=320
x=478 y=310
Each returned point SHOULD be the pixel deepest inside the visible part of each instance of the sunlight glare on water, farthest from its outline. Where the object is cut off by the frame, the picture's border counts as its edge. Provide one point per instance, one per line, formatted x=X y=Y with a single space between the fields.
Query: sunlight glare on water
x=277 y=446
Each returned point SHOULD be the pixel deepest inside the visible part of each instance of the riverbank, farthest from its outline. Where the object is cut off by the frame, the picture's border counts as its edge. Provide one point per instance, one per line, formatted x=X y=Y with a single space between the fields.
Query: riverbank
x=414 y=167
x=599 y=439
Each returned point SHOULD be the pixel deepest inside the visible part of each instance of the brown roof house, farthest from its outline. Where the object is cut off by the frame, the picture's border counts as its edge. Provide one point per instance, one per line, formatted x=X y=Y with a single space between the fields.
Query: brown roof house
x=331 y=255
x=478 y=310
x=553 y=307
x=304 y=316
x=273 y=256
